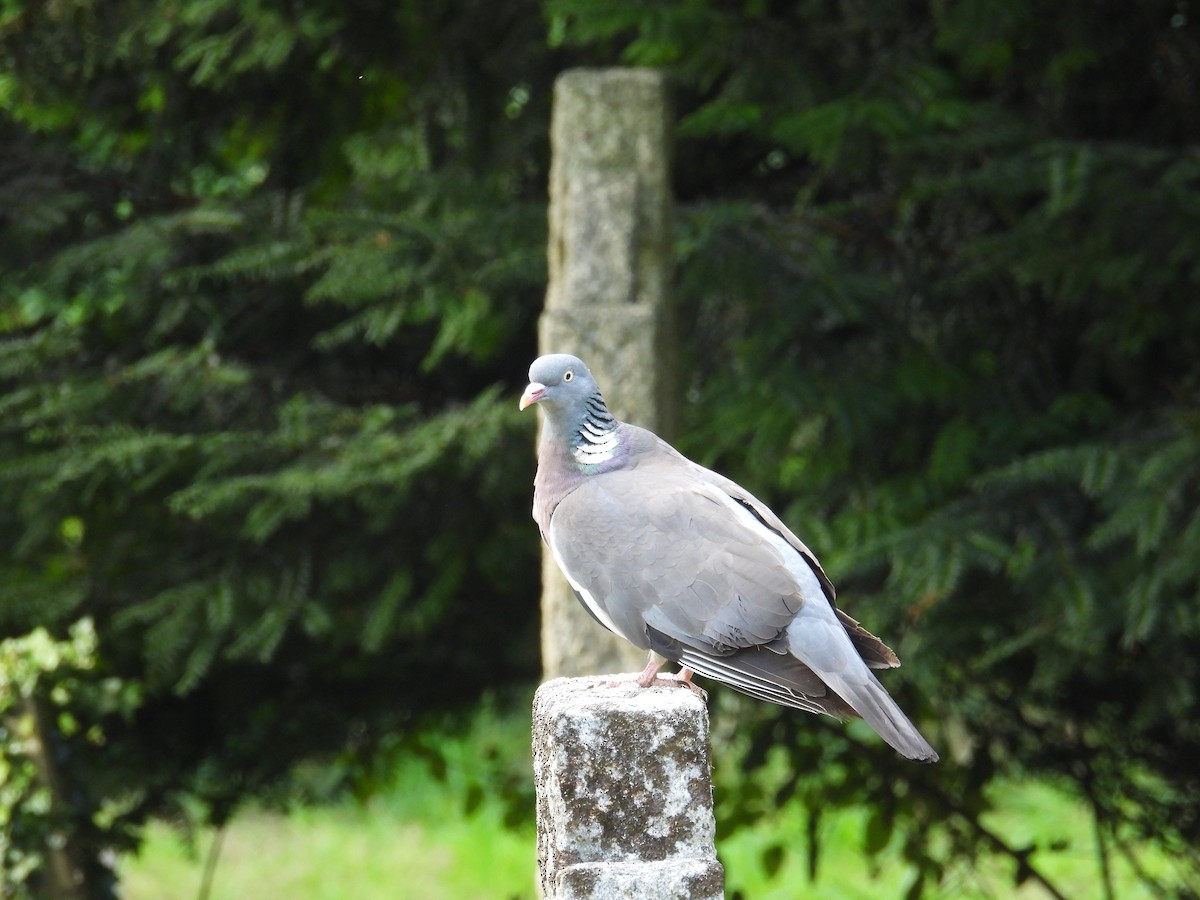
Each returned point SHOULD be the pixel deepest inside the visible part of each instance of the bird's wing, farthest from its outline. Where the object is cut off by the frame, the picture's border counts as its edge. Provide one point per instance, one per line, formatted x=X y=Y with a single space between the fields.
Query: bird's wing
x=673 y=563
x=676 y=554
x=875 y=653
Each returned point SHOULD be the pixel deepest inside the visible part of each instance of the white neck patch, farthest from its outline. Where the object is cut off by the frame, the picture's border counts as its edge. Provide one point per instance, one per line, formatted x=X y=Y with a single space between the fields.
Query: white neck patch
x=597 y=443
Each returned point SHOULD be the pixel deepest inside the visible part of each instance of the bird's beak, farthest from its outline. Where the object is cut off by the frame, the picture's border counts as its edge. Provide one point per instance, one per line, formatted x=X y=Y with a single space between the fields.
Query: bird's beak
x=532 y=394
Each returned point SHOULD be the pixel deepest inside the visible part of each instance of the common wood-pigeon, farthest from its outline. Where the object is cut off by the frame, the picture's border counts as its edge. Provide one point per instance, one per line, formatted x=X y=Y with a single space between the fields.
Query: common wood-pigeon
x=684 y=563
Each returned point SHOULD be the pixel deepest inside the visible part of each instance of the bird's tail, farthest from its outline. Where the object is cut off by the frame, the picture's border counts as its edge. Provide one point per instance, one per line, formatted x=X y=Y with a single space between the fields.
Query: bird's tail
x=822 y=645
x=871 y=701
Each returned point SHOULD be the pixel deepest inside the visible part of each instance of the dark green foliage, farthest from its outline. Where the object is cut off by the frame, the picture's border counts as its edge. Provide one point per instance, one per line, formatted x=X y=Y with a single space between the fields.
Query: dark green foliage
x=264 y=277
x=951 y=327
x=268 y=286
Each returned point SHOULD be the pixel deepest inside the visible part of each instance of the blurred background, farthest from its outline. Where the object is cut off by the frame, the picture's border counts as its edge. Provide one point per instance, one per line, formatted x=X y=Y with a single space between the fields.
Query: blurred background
x=269 y=279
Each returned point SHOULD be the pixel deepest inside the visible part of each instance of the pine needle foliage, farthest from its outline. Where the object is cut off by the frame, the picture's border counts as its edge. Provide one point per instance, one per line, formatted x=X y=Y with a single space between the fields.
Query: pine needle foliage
x=268 y=284
x=265 y=273
x=940 y=262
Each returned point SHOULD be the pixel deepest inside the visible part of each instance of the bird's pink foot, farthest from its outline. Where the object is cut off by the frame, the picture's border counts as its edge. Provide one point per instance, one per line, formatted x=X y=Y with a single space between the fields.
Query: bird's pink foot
x=645 y=678
x=684 y=677
x=650 y=675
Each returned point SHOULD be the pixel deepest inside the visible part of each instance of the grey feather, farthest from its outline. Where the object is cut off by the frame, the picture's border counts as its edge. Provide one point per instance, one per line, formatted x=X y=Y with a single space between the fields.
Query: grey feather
x=687 y=564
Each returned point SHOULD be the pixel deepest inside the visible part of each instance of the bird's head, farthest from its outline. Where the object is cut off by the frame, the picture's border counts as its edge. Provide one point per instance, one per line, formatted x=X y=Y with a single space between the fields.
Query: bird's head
x=560 y=383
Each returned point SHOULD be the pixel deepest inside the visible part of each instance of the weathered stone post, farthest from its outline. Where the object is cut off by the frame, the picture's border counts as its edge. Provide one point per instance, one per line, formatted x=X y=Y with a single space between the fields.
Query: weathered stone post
x=624 y=792
x=608 y=295
x=623 y=773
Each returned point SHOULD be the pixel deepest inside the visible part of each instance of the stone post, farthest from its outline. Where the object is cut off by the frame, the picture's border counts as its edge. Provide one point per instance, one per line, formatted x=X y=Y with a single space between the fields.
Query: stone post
x=607 y=301
x=624 y=793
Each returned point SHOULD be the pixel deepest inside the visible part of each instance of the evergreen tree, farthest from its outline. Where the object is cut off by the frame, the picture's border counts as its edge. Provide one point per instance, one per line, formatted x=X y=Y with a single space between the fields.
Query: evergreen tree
x=941 y=266
x=265 y=271
x=268 y=285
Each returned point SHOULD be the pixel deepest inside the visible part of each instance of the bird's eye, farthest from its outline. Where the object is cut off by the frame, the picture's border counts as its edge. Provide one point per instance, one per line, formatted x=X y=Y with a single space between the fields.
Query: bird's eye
x=568 y=375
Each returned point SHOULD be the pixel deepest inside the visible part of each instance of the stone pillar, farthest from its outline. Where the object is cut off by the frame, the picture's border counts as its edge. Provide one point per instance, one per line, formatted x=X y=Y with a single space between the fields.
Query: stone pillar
x=624 y=793
x=607 y=301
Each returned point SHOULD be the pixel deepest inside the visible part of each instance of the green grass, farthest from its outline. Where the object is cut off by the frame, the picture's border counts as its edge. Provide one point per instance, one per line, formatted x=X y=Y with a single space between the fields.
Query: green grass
x=1027 y=814
x=442 y=823
x=392 y=847
x=330 y=853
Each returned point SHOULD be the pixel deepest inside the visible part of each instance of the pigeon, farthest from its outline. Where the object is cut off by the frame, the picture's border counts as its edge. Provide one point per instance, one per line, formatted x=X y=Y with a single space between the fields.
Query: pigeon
x=686 y=564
